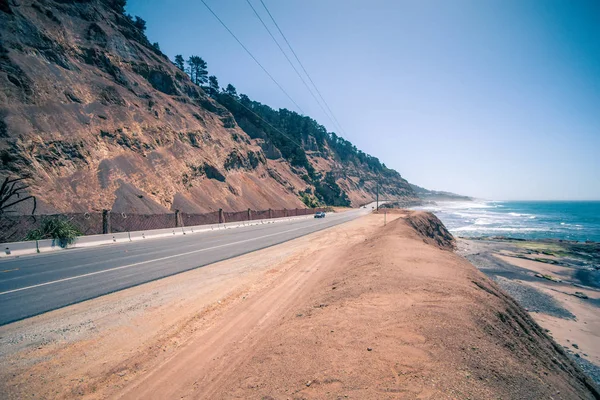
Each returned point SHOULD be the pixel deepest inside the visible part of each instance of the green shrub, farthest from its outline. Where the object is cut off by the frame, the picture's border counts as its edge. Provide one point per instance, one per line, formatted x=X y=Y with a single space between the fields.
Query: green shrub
x=330 y=193
x=59 y=228
x=310 y=201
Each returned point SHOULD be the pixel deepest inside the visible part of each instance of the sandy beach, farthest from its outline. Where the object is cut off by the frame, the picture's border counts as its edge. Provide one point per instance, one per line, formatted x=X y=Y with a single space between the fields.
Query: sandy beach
x=556 y=282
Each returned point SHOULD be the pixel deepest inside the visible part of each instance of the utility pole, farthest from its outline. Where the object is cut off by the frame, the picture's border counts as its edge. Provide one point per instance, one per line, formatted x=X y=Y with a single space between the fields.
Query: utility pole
x=377 y=198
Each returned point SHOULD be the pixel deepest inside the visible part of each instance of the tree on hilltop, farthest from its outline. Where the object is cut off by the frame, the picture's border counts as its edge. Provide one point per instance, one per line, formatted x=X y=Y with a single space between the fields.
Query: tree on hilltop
x=213 y=85
x=245 y=100
x=179 y=62
x=231 y=90
x=202 y=72
x=118 y=5
x=197 y=69
x=140 y=23
x=190 y=69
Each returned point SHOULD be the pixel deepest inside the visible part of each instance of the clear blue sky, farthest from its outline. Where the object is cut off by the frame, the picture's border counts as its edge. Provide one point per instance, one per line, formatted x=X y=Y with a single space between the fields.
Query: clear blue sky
x=498 y=99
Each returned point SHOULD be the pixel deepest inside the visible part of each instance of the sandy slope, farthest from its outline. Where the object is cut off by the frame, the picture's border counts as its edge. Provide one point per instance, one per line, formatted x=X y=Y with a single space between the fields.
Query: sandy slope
x=357 y=311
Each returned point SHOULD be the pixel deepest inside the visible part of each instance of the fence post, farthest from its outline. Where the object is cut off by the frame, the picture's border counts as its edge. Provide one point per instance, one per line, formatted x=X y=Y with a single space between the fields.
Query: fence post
x=249 y=215
x=105 y=221
x=285 y=212
x=177 y=219
x=296 y=212
x=270 y=213
x=221 y=216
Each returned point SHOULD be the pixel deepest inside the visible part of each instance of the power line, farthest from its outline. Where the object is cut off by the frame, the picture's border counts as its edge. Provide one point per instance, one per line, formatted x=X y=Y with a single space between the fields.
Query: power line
x=265 y=121
x=254 y=58
x=290 y=61
x=270 y=76
x=302 y=66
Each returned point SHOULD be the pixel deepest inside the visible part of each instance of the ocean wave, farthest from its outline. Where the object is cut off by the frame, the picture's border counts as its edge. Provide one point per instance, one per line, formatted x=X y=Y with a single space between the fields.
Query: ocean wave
x=463 y=205
x=474 y=228
x=525 y=220
x=488 y=215
x=514 y=214
x=470 y=214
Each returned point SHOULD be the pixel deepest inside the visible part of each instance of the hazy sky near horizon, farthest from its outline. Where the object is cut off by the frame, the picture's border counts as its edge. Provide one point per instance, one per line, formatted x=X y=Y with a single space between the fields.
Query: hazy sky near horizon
x=498 y=99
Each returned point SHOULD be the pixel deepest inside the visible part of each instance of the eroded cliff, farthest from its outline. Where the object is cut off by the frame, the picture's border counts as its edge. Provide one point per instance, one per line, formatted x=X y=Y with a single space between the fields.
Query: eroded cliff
x=98 y=118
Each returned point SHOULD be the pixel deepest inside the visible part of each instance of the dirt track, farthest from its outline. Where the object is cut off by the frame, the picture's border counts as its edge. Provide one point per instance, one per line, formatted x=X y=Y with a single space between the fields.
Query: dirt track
x=356 y=311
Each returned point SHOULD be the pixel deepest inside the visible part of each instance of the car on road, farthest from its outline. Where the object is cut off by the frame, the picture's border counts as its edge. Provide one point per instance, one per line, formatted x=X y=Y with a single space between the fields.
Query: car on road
x=320 y=214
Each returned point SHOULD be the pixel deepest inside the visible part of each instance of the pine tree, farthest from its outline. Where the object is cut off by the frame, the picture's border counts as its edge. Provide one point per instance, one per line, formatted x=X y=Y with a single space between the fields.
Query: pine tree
x=231 y=90
x=140 y=23
x=197 y=70
x=245 y=100
x=201 y=72
x=191 y=70
x=179 y=62
x=213 y=85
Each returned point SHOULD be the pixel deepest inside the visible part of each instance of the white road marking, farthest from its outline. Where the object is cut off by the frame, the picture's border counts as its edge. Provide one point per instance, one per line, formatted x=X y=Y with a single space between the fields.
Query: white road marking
x=154 y=260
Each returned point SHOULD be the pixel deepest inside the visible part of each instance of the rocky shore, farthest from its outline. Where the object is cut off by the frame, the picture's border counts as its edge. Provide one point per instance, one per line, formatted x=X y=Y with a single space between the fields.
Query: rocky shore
x=556 y=281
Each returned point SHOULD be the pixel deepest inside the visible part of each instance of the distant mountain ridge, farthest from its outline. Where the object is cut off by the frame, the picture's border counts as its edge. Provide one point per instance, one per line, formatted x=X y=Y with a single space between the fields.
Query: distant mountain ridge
x=436 y=195
x=98 y=118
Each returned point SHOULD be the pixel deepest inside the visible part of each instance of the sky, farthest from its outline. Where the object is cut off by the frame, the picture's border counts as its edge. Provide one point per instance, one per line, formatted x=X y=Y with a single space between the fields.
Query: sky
x=497 y=99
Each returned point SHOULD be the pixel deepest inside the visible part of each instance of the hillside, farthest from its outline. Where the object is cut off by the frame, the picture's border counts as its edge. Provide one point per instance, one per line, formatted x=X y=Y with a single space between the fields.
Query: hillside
x=436 y=195
x=96 y=117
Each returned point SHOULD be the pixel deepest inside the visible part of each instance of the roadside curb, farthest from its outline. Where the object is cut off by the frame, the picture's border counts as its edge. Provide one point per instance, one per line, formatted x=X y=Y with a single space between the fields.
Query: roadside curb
x=15 y=249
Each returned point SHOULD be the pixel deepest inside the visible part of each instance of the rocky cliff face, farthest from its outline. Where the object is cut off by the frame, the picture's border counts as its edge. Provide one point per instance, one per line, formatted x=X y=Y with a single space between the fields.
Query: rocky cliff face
x=431 y=229
x=100 y=119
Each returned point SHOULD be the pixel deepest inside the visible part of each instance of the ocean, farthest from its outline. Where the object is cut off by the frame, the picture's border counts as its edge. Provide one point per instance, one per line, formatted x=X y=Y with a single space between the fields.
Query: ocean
x=569 y=220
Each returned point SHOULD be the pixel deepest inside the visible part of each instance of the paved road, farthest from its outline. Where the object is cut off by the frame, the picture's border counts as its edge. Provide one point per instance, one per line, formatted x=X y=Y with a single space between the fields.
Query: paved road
x=31 y=285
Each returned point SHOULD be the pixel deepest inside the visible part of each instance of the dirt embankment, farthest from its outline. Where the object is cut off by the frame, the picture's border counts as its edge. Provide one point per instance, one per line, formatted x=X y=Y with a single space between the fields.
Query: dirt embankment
x=431 y=229
x=358 y=311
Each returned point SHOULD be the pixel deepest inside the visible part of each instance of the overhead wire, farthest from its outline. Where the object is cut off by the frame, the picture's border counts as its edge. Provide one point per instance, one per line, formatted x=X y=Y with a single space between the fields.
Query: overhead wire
x=268 y=74
x=252 y=56
x=290 y=62
x=302 y=66
x=265 y=121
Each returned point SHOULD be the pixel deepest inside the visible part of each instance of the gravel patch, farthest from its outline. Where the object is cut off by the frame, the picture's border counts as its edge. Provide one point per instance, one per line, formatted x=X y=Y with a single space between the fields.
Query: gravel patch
x=532 y=299
x=591 y=369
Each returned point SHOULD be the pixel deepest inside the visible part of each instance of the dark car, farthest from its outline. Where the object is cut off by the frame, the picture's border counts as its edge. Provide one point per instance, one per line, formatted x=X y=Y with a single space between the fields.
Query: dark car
x=320 y=214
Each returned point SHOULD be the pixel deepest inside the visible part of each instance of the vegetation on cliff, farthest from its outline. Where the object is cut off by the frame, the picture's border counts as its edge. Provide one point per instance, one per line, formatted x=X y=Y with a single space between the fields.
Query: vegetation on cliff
x=99 y=118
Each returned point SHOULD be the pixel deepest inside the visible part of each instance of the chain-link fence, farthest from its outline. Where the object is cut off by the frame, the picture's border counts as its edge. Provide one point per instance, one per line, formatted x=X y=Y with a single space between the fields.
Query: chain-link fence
x=199 y=219
x=15 y=228
x=123 y=222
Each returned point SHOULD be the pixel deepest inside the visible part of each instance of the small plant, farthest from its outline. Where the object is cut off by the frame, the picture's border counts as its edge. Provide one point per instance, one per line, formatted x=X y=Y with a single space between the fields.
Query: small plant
x=58 y=228
x=310 y=201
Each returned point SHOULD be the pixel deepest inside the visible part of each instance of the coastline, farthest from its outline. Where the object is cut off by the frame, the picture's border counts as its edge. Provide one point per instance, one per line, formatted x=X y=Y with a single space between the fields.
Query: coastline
x=529 y=220
x=364 y=310
x=556 y=281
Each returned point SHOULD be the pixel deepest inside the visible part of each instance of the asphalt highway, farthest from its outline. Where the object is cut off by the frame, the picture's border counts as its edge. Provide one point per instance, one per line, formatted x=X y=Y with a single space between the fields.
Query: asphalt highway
x=35 y=284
